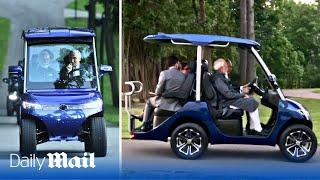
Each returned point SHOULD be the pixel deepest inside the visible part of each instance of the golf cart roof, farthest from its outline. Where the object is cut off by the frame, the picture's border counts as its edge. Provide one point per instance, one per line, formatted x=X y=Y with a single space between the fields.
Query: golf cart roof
x=200 y=40
x=56 y=32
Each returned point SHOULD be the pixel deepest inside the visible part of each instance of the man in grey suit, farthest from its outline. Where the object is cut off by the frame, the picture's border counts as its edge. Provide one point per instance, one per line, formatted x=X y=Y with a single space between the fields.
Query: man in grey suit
x=169 y=80
x=229 y=96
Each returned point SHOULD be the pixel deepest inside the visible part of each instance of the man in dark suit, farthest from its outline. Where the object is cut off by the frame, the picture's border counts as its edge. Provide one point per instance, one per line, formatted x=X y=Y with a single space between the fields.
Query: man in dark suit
x=169 y=80
x=229 y=96
x=74 y=70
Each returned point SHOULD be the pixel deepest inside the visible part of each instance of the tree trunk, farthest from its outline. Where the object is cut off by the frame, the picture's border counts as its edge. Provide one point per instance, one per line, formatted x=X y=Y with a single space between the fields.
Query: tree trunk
x=251 y=67
x=243 y=32
x=110 y=50
x=92 y=14
x=202 y=13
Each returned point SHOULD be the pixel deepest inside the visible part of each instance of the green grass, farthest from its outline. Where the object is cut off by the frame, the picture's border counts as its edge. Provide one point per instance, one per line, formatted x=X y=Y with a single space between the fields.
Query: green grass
x=111 y=113
x=316 y=91
x=82 y=3
x=311 y=104
x=4 y=38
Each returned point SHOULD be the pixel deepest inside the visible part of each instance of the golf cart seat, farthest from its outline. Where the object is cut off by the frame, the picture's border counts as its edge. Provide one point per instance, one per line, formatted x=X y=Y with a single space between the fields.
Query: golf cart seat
x=161 y=115
x=229 y=120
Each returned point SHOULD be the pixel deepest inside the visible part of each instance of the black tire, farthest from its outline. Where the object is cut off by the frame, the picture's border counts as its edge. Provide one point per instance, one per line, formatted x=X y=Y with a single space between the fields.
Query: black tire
x=192 y=137
x=10 y=108
x=97 y=142
x=28 y=137
x=19 y=115
x=298 y=143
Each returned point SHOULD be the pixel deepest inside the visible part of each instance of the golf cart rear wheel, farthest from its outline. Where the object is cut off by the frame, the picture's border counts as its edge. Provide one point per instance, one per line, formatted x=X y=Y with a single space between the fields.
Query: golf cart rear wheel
x=28 y=137
x=97 y=142
x=189 y=141
x=298 y=143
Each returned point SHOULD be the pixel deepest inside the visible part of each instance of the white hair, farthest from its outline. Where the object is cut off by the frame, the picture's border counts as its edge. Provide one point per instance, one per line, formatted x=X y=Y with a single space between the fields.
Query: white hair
x=218 y=64
x=76 y=53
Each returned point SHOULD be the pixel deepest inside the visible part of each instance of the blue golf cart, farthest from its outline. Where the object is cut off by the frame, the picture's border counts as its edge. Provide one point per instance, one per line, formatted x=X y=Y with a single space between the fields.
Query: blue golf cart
x=200 y=121
x=58 y=104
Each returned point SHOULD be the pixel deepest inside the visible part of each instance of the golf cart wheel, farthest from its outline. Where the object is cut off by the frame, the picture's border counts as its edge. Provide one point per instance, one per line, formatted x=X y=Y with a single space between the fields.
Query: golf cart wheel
x=298 y=143
x=10 y=109
x=189 y=141
x=97 y=142
x=28 y=137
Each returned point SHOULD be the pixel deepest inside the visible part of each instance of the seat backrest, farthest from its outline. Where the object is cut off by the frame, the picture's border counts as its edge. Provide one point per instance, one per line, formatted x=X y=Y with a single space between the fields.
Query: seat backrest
x=208 y=91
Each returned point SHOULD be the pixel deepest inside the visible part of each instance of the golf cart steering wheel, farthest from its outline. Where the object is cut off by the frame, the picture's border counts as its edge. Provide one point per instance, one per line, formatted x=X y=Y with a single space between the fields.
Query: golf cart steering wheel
x=255 y=88
x=74 y=79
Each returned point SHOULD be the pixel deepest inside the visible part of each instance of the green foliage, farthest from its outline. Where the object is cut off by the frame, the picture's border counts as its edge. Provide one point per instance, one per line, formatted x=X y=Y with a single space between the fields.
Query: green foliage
x=4 y=38
x=288 y=32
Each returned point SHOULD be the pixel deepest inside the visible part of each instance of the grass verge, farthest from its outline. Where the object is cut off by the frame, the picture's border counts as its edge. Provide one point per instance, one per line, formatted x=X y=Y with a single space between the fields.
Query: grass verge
x=111 y=113
x=311 y=104
x=4 y=40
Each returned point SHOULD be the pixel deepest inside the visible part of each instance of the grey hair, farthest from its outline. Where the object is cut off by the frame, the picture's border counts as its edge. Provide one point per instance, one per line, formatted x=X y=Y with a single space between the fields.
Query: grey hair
x=76 y=53
x=218 y=63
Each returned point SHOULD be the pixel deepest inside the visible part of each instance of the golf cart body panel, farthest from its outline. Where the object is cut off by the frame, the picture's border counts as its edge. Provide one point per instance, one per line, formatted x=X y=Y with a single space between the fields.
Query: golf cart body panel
x=63 y=112
x=199 y=39
x=199 y=113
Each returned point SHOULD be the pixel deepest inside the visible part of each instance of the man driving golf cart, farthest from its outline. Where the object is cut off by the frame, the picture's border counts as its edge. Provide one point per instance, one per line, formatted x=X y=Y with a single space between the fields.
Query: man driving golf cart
x=229 y=96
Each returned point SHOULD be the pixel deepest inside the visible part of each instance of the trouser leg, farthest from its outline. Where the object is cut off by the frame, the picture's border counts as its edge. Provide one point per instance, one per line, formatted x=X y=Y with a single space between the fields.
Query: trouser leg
x=255 y=121
x=148 y=110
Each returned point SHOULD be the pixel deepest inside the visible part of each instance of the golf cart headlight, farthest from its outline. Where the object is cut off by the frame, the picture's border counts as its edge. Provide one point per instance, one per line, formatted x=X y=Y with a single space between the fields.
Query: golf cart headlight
x=29 y=105
x=93 y=104
x=13 y=96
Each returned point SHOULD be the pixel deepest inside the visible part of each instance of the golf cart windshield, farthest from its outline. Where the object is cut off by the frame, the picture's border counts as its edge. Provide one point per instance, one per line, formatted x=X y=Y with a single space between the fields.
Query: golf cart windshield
x=60 y=66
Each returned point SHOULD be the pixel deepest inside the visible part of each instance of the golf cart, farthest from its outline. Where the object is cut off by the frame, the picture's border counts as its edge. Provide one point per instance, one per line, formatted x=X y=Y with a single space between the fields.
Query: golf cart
x=200 y=121
x=56 y=108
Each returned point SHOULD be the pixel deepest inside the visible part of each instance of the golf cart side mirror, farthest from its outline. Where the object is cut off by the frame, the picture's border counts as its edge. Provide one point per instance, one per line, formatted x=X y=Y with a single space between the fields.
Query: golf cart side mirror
x=5 y=80
x=20 y=63
x=105 y=69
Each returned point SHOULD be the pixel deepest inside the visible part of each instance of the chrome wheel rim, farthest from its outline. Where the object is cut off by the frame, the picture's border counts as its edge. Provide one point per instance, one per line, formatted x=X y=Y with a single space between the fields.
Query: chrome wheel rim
x=298 y=143
x=189 y=142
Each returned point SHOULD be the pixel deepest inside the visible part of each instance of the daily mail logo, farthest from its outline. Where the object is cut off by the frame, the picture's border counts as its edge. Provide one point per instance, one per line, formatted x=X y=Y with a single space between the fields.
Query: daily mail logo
x=55 y=160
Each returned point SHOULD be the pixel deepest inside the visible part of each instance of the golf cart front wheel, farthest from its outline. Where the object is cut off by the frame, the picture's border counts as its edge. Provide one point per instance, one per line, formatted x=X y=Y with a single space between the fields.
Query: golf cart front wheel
x=28 y=137
x=189 y=141
x=298 y=143
x=97 y=142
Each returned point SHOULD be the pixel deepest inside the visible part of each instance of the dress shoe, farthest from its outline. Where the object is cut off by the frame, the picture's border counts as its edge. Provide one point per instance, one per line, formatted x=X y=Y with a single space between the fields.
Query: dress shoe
x=253 y=132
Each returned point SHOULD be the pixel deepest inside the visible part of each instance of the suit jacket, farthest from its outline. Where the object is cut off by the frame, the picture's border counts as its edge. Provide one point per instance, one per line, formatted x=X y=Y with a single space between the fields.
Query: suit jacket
x=169 y=80
x=227 y=94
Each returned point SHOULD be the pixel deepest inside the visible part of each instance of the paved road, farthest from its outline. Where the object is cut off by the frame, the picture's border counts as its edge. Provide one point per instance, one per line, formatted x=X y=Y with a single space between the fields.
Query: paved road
x=9 y=144
x=303 y=93
x=154 y=159
x=25 y=14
